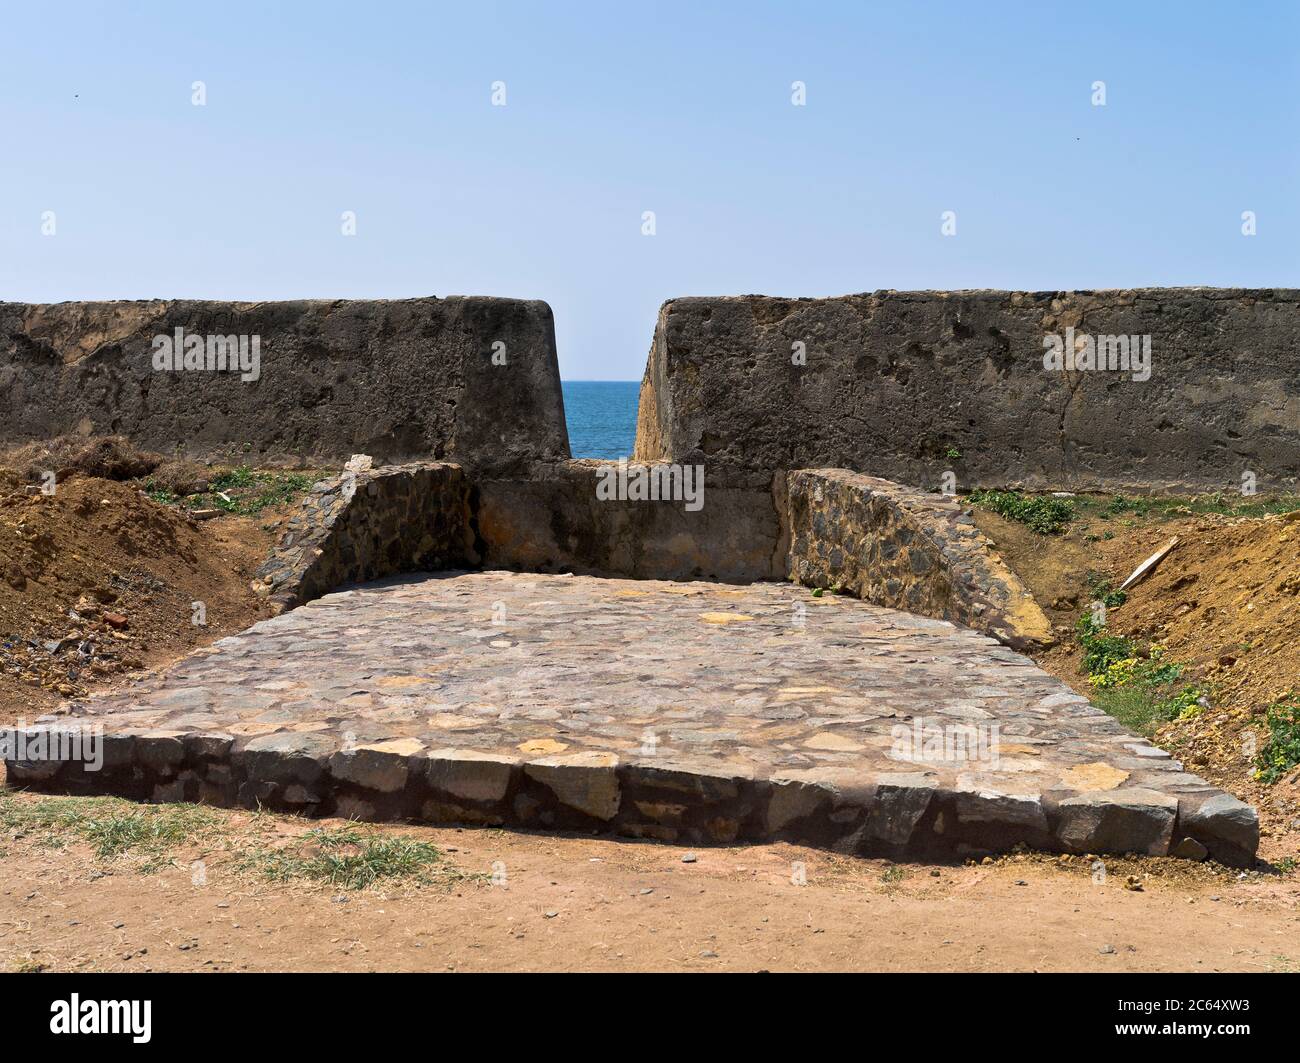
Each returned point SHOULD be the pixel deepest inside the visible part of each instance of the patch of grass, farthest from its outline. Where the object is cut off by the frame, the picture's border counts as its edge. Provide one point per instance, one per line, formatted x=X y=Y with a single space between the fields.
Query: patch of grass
x=160 y=494
x=341 y=857
x=242 y=476
x=247 y=492
x=347 y=858
x=1144 y=707
x=111 y=826
x=1101 y=651
x=1132 y=706
x=1137 y=686
x=1281 y=751
x=1041 y=513
x=893 y=874
x=1099 y=590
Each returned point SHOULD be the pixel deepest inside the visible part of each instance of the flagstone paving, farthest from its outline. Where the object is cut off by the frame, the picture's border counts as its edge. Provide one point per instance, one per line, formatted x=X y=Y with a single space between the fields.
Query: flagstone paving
x=688 y=712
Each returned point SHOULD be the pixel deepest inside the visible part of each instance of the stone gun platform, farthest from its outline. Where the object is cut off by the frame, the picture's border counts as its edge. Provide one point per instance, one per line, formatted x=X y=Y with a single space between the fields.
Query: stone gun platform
x=684 y=712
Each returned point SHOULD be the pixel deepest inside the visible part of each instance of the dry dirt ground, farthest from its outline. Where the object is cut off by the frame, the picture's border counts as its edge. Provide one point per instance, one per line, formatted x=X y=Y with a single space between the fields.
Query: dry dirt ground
x=1224 y=602
x=598 y=904
x=98 y=581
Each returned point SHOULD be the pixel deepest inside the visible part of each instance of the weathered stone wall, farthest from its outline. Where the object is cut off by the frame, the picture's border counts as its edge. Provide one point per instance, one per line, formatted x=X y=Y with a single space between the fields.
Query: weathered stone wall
x=901 y=548
x=399 y=380
x=430 y=516
x=555 y=522
x=907 y=385
x=364 y=525
x=882 y=542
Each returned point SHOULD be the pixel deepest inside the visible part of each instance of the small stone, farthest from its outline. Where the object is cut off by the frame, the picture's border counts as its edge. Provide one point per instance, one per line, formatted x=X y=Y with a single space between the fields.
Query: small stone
x=689 y=858
x=551 y=913
x=1107 y=950
x=1189 y=849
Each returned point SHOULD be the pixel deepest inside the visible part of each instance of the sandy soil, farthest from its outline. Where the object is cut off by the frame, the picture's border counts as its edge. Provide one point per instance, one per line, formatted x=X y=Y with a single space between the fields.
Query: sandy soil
x=97 y=582
x=583 y=904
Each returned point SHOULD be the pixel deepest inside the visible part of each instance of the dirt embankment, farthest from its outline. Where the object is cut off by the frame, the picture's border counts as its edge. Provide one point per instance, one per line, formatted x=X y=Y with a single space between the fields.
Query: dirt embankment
x=1224 y=603
x=99 y=580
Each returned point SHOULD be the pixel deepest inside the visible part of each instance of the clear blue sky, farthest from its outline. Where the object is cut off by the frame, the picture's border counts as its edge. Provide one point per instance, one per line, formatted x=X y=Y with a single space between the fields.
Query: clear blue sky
x=616 y=108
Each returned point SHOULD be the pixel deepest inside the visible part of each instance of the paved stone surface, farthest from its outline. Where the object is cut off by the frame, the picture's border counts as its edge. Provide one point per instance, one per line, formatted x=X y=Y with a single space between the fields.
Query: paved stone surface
x=690 y=712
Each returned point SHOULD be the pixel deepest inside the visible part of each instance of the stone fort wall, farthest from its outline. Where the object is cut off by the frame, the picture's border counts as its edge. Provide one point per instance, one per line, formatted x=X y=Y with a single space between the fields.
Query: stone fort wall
x=466 y=379
x=912 y=385
x=909 y=386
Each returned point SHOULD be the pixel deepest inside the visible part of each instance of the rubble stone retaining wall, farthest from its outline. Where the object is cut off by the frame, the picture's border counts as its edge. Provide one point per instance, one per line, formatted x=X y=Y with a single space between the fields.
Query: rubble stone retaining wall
x=693 y=802
x=364 y=525
x=905 y=549
x=888 y=544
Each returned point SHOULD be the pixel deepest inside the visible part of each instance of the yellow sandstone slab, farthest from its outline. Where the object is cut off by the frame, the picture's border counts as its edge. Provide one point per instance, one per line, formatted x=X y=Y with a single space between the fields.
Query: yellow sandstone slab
x=803 y=692
x=403 y=747
x=1095 y=776
x=401 y=681
x=833 y=742
x=542 y=747
x=724 y=618
x=450 y=721
x=253 y=727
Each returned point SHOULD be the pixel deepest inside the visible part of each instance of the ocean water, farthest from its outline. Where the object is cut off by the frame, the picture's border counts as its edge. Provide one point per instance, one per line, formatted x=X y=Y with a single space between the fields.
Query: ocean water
x=602 y=417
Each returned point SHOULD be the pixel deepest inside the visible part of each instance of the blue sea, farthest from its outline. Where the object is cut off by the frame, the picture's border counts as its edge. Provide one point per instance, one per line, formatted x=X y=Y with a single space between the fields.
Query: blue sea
x=601 y=416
